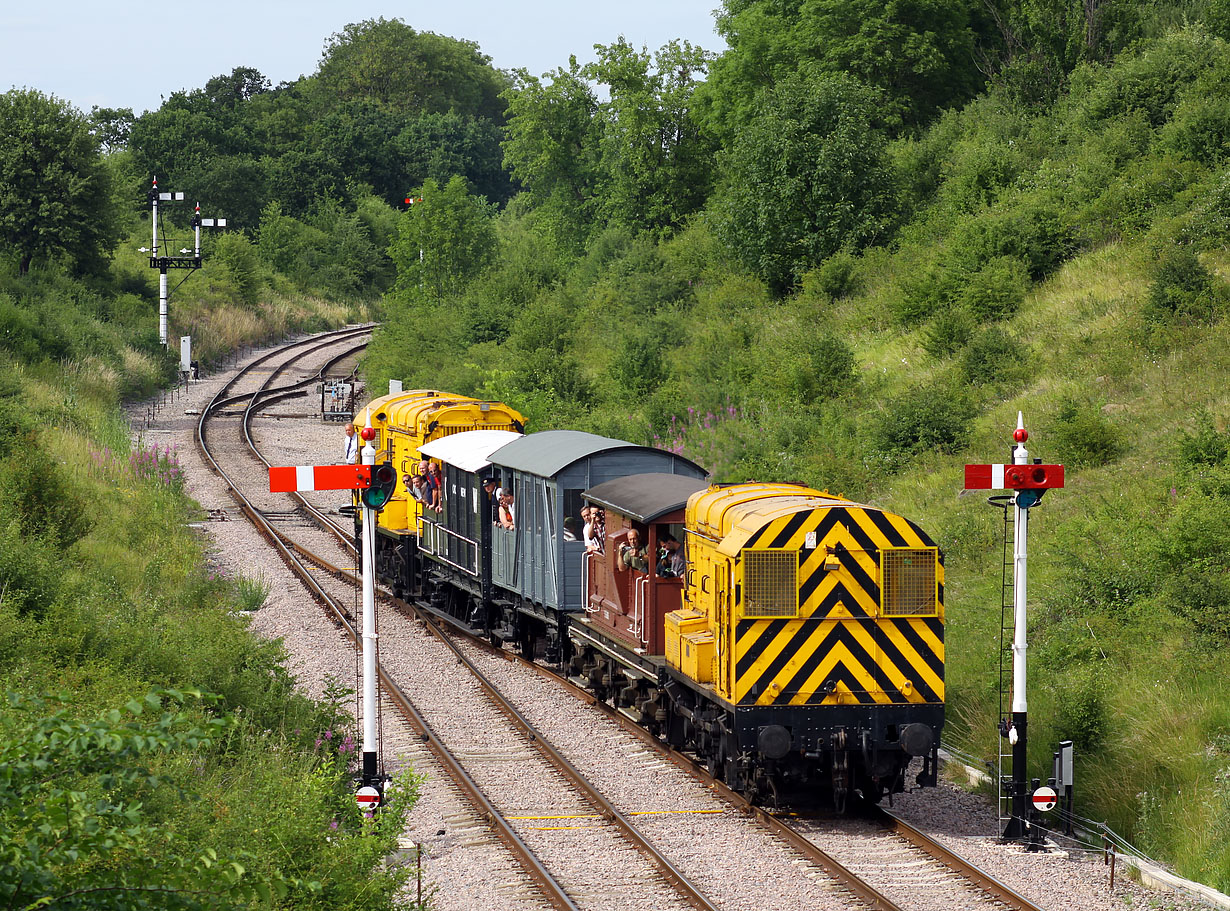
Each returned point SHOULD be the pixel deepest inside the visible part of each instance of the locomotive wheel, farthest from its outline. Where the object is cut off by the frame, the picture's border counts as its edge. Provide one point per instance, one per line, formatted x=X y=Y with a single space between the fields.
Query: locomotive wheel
x=730 y=768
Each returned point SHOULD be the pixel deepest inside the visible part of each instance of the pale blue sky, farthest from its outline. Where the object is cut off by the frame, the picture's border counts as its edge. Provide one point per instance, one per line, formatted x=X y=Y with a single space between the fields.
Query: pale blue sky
x=101 y=52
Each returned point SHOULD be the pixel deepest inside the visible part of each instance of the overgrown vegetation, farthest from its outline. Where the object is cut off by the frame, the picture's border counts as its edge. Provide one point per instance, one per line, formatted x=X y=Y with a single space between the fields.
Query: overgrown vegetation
x=153 y=753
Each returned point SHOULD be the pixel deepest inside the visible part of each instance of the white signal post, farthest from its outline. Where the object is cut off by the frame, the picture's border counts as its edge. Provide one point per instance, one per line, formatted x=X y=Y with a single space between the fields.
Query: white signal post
x=370 y=728
x=1029 y=483
x=283 y=479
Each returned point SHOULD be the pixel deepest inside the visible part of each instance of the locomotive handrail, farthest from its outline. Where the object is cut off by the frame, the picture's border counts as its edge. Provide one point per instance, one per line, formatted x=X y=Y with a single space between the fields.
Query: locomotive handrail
x=585 y=582
x=640 y=598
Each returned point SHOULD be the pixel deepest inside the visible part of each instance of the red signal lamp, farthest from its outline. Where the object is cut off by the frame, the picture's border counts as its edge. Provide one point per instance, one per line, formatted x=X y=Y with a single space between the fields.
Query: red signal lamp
x=1033 y=477
x=368 y=433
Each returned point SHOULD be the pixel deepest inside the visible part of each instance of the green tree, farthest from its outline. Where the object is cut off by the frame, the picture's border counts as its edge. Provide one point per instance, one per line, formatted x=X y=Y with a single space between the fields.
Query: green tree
x=552 y=149
x=111 y=126
x=806 y=177
x=389 y=63
x=1038 y=43
x=243 y=83
x=445 y=240
x=441 y=146
x=920 y=53
x=656 y=164
x=55 y=193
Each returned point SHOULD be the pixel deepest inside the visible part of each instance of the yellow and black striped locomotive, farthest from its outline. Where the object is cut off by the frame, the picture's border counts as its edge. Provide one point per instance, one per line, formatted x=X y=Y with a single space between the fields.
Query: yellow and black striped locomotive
x=792 y=639
x=800 y=653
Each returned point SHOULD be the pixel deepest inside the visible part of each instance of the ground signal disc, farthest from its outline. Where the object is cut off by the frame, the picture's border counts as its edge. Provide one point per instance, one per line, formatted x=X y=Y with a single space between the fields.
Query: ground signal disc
x=368 y=798
x=1044 y=799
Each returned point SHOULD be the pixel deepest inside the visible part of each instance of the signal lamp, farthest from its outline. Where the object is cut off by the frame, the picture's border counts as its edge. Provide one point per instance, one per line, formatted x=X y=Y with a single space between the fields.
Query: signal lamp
x=380 y=489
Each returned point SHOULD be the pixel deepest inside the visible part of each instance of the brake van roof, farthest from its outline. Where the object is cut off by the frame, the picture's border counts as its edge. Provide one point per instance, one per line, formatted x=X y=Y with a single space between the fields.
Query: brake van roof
x=470 y=450
x=547 y=453
x=645 y=497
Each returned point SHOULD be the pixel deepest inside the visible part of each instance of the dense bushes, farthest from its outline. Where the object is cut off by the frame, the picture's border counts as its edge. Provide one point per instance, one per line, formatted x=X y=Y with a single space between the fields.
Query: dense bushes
x=807 y=176
x=1184 y=290
x=1083 y=436
x=924 y=418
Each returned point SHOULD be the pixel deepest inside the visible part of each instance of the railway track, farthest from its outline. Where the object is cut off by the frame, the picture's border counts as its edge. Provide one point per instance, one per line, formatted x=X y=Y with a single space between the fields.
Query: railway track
x=576 y=804
x=571 y=796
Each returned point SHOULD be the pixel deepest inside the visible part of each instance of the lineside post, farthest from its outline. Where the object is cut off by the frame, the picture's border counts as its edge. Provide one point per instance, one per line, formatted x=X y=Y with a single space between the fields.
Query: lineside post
x=1029 y=480
x=371 y=777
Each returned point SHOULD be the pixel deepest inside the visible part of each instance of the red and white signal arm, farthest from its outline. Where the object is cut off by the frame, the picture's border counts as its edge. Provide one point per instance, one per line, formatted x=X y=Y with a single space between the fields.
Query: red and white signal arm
x=1044 y=799
x=367 y=797
x=1013 y=477
x=319 y=477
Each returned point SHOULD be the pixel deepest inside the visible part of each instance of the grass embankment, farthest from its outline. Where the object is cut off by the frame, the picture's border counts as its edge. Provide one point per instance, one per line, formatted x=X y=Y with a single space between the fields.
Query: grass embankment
x=152 y=750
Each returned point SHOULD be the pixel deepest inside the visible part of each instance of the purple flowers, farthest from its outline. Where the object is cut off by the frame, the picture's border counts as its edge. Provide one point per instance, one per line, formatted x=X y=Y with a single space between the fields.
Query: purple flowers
x=710 y=439
x=154 y=463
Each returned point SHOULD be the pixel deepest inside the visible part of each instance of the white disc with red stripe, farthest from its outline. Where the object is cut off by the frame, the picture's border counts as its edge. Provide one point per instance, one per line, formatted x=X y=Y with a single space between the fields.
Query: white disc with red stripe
x=1044 y=799
x=367 y=797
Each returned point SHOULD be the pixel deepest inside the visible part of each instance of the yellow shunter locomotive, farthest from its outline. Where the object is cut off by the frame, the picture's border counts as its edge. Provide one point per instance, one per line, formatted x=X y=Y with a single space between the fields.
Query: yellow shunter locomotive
x=808 y=653
x=403 y=422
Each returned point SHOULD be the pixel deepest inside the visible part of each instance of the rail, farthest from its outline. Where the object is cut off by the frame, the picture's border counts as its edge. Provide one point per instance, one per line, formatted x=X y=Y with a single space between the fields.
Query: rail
x=552 y=890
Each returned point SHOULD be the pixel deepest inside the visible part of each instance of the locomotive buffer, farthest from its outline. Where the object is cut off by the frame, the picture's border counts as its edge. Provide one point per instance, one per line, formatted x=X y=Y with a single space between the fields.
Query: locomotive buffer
x=375 y=484
x=1029 y=481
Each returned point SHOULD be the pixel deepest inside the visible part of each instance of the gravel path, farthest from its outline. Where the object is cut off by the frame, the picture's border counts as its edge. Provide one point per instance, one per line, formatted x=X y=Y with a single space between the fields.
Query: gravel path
x=465 y=868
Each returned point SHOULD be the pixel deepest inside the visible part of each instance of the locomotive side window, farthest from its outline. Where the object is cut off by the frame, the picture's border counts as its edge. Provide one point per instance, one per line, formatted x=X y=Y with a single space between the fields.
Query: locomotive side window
x=770 y=583
x=907 y=581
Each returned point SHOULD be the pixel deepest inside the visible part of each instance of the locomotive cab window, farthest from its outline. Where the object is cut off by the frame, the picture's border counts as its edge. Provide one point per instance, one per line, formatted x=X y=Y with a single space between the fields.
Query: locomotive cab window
x=770 y=583
x=907 y=581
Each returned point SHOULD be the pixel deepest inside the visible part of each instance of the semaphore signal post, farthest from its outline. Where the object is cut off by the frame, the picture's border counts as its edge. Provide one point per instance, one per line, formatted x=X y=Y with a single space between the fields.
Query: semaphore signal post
x=164 y=261
x=375 y=484
x=1029 y=481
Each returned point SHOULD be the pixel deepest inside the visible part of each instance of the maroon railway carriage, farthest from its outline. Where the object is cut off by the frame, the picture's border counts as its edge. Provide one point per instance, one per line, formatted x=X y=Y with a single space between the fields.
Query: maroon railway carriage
x=625 y=609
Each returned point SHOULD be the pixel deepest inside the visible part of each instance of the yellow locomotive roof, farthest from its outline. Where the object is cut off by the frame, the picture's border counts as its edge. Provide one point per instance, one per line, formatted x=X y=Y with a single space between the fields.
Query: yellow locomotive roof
x=395 y=400
x=734 y=514
x=421 y=411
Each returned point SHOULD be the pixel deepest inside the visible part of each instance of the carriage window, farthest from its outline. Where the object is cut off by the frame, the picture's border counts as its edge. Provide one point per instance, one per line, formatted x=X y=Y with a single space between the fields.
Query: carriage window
x=907 y=581
x=573 y=504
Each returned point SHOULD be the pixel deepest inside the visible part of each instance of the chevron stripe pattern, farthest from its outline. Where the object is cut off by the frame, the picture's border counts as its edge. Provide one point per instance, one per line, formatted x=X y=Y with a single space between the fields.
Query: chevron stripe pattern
x=840 y=649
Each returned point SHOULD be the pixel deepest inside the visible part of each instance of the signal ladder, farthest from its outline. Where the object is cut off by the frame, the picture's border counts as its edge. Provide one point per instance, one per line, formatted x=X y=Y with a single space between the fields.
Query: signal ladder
x=1007 y=631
